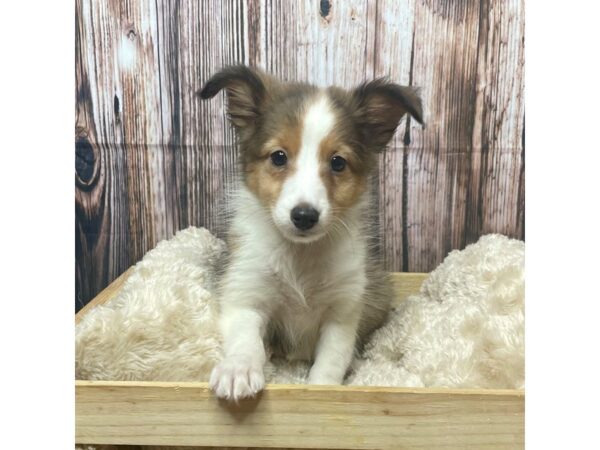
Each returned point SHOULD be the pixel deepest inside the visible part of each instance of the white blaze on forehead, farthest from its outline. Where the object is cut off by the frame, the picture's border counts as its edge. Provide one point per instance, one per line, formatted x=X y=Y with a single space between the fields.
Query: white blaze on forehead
x=317 y=124
x=306 y=185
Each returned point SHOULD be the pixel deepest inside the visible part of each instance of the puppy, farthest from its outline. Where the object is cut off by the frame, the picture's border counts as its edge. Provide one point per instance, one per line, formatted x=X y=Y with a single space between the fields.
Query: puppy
x=302 y=276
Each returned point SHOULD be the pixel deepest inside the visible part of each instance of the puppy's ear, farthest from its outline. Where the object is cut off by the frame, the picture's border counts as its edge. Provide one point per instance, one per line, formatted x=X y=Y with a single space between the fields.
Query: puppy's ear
x=378 y=107
x=246 y=93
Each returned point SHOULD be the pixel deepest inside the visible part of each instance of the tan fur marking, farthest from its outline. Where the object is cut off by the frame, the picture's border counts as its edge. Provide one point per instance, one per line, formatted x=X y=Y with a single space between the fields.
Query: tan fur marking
x=344 y=188
x=263 y=178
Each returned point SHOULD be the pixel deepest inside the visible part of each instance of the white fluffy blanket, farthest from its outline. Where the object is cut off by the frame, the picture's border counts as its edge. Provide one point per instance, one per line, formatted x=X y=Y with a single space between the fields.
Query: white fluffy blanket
x=464 y=329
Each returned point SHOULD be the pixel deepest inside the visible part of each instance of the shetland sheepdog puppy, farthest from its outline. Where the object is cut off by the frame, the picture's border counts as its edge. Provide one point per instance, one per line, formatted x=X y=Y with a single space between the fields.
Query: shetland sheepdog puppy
x=302 y=277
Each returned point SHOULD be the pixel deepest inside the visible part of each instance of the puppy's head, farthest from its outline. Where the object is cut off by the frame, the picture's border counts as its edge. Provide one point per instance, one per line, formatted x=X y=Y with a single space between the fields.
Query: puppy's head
x=306 y=151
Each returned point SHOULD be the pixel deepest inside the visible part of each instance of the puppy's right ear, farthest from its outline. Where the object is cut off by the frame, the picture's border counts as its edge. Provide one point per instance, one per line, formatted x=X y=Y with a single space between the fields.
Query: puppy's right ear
x=246 y=94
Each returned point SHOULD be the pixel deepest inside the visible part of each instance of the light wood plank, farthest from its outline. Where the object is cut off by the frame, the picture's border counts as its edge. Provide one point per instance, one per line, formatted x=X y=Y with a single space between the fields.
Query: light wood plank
x=320 y=42
x=154 y=413
x=406 y=284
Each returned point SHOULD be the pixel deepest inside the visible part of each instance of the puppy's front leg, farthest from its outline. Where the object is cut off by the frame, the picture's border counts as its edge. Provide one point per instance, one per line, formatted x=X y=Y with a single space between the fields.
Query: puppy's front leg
x=335 y=350
x=240 y=374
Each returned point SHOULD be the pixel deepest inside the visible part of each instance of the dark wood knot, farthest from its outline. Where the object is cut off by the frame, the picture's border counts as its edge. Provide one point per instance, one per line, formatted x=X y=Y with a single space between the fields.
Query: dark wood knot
x=325 y=9
x=117 y=108
x=85 y=163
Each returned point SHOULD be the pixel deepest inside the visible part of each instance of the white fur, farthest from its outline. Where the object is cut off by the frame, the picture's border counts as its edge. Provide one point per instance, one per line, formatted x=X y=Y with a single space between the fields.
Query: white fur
x=464 y=329
x=310 y=293
x=306 y=185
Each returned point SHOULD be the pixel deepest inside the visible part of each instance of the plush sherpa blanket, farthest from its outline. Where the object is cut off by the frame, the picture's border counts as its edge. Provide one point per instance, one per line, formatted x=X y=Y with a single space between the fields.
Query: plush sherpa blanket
x=464 y=329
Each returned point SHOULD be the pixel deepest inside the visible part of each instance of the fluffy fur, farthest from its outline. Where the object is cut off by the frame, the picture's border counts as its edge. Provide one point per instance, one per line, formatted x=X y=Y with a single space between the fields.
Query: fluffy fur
x=163 y=323
x=464 y=329
x=301 y=275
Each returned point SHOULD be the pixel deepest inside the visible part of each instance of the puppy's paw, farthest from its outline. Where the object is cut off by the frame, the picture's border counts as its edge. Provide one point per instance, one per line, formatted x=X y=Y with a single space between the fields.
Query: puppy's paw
x=235 y=378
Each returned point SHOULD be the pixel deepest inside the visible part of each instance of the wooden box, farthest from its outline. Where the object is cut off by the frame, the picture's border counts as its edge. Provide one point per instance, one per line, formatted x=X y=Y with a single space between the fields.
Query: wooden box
x=298 y=416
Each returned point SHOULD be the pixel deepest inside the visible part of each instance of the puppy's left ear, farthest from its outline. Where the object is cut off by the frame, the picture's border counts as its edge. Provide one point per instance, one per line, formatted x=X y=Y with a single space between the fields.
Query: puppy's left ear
x=379 y=105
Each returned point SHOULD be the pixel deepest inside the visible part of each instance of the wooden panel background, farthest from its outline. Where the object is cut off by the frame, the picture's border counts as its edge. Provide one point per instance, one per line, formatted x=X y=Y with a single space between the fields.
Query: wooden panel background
x=151 y=158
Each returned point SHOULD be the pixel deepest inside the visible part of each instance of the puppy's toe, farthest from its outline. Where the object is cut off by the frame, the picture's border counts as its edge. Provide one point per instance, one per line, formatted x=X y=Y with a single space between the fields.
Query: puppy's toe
x=257 y=380
x=237 y=378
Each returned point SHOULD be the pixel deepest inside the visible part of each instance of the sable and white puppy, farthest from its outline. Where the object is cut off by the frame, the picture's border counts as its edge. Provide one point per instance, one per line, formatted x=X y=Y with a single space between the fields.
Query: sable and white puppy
x=302 y=275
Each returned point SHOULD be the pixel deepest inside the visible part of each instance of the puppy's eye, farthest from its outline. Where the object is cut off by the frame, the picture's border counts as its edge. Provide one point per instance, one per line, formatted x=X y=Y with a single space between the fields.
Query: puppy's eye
x=338 y=163
x=279 y=158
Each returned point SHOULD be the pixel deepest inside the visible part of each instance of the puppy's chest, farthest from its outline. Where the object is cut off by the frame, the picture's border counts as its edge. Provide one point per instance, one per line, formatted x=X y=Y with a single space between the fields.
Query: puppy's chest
x=313 y=284
x=306 y=292
x=298 y=288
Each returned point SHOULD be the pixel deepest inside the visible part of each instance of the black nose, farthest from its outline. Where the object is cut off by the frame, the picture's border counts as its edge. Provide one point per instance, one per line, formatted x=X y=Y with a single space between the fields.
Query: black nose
x=304 y=217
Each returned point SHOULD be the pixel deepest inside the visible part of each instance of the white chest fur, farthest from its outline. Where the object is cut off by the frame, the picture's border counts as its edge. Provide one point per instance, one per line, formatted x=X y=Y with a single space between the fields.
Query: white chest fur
x=296 y=285
x=312 y=282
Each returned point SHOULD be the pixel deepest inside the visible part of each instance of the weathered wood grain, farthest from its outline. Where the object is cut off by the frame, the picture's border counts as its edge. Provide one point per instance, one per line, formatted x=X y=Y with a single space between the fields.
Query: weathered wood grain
x=392 y=57
x=198 y=38
x=101 y=195
x=312 y=40
x=151 y=158
x=461 y=174
x=138 y=69
x=437 y=168
x=500 y=120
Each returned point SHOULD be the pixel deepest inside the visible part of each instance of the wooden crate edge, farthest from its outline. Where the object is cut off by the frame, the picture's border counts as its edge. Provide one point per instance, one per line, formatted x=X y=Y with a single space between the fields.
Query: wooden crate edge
x=298 y=416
